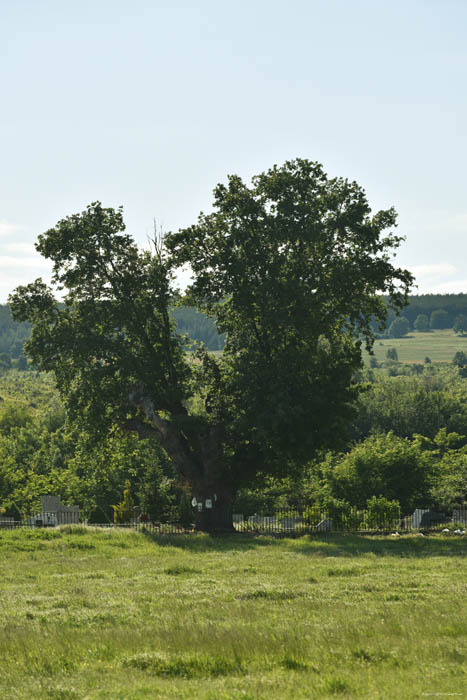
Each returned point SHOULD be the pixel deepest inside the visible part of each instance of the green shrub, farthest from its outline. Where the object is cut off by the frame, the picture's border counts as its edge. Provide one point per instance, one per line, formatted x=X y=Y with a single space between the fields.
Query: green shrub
x=343 y=515
x=186 y=516
x=123 y=512
x=382 y=513
x=398 y=328
x=422 y=323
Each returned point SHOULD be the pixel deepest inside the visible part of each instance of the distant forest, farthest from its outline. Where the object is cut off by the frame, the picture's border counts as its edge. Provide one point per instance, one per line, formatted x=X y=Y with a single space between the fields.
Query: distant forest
x=12 y=335
x=198 y=327
x=454 y=304
x=202 y=329
x=189 y=321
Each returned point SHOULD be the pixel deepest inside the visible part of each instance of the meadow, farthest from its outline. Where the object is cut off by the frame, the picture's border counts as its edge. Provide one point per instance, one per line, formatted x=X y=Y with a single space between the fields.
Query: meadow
x=439 y=346
x=104 y=613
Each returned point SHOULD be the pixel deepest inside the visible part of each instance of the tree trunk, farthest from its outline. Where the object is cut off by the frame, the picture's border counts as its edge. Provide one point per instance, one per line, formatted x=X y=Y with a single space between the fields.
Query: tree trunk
x=214 y=495
x=214 y=509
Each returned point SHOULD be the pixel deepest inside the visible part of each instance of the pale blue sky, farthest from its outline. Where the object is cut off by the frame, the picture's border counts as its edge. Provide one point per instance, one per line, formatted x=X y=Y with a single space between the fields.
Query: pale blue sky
x=149 y=104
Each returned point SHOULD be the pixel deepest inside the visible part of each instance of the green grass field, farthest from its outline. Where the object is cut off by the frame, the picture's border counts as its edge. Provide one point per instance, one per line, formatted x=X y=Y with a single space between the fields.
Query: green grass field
x=439 y=346
x=117 y=614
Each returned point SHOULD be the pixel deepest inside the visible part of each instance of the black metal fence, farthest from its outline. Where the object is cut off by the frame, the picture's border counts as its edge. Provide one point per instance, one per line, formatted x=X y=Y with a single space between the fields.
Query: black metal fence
x=315 y=520
x=287 y=521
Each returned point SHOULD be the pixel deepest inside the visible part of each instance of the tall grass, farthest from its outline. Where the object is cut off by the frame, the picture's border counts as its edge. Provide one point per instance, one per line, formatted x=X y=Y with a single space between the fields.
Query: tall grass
x=105 y=614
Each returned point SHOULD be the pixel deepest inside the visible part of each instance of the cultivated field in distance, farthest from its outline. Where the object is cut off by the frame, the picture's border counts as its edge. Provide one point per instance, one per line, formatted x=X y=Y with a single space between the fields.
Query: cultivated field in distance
x=439 y=346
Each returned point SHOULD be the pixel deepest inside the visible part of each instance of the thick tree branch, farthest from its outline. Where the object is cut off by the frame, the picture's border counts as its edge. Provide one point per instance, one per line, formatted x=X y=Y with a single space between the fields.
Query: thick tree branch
x=168 y=435
x=143 y=429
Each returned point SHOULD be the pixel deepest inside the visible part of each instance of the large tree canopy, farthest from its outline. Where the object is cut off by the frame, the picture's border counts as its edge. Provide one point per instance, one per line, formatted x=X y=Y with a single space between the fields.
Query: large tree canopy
x=292 y=269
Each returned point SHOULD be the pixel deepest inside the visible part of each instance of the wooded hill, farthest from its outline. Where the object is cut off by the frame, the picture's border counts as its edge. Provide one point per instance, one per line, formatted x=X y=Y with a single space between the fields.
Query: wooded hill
x=454 y=304
x=189 y=321
x=200 y=328
x=12 y=335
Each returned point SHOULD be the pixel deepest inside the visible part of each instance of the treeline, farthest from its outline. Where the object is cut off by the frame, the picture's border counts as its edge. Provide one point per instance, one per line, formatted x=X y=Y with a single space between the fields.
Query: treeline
x=12 y=335
x=198 y=327
x=426 y=312
x=195 y=325
x=439 y=310
x=454 y=305
x=406 y=445
x=40 y=453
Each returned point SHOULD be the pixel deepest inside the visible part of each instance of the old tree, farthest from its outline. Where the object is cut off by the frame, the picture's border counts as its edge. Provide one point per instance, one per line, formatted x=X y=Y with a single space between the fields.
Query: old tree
x=292 y=269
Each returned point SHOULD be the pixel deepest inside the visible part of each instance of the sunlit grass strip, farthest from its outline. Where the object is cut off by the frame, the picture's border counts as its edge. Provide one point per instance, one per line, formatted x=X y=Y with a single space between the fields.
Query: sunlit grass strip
x=439 y=346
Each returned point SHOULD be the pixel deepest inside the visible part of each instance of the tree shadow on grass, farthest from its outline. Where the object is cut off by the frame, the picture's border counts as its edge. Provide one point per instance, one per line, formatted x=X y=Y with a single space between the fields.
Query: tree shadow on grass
x=411 y=546
x=202 y=542
x=325 y=545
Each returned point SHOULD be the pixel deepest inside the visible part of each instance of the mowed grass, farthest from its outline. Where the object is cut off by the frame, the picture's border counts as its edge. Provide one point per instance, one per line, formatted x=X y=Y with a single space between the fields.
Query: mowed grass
x=90 y=613
x=439 y=346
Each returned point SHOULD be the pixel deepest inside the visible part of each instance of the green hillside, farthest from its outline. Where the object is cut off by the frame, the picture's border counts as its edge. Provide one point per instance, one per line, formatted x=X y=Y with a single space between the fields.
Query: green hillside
x=439 y=346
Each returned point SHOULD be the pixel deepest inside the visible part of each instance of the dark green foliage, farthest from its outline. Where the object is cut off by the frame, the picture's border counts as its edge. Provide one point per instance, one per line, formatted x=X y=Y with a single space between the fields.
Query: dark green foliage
x=198 y=327
x=5 y=361
x=382 y=513
x=391 y=354
x=415 y=471
x=14 y=416
x=398 y=328
x=186 y=513
x=383 y=465
x=12 y=334
x=460 y=324
x=40 y=454
x=343 y=514
x=453 y=304
x=202 y=329
x=22 y=363
x=124 y=511
x=102 y=470
x=439 y=319
x=188 y=321
x=289 y=302
x=422 y=323
x=269 y=495
x=410 y=405
x=290 y=269
x=459 y=359
x=114 y=329
x=423 y=305
x=450 y=482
